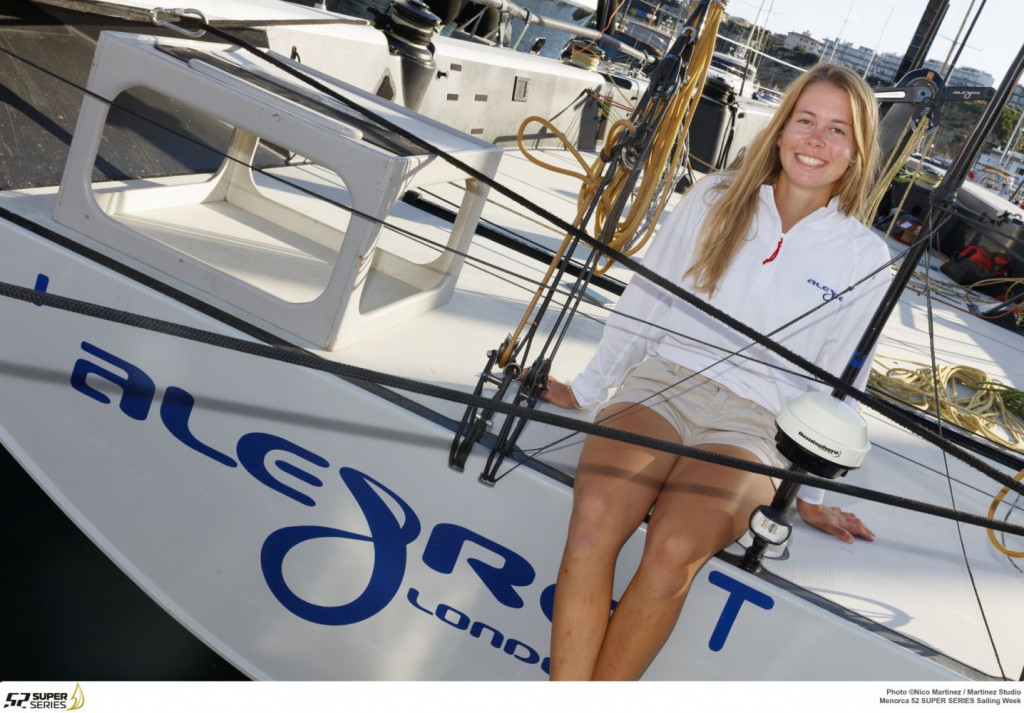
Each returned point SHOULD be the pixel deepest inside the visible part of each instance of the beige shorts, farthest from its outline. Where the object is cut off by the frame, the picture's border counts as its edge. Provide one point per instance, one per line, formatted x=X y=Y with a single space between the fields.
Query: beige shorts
x=701 y=411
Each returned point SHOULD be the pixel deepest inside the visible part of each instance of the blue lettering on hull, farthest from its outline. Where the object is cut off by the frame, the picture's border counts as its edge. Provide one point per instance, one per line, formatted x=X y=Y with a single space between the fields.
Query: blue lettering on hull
x=738 y=594
x=392 y=523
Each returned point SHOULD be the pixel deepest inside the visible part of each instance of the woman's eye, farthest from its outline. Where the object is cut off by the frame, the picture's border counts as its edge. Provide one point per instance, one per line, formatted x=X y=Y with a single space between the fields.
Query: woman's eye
x=838 y=131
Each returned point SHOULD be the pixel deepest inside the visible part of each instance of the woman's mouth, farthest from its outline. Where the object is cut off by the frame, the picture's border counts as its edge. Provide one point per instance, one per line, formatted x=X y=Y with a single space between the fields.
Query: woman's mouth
x=810 y=161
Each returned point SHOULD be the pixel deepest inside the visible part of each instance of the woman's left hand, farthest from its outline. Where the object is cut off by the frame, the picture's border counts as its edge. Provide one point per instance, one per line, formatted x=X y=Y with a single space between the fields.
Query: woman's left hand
x=835 y=522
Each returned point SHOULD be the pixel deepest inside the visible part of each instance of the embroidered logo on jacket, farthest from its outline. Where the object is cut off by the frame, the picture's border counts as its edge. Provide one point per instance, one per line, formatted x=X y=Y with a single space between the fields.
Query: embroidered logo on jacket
x=827 y=292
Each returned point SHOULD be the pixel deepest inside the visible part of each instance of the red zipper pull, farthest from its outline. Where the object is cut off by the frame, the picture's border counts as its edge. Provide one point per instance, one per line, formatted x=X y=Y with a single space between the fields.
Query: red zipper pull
x=774 y=254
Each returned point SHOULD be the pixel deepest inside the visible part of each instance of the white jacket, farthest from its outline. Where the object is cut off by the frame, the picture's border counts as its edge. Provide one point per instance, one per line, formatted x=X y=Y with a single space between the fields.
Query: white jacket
x=817 y=259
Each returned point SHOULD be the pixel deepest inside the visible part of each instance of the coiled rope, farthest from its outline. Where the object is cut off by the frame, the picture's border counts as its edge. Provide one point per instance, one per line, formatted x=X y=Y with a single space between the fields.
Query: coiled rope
x=967 y=398
x=991 y=515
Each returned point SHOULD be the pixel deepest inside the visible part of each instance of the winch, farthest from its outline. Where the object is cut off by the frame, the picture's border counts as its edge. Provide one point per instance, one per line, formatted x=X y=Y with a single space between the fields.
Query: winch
x=410 y=27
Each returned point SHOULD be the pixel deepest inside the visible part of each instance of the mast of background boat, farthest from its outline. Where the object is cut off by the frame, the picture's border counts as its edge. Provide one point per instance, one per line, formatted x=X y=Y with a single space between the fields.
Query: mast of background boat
x=943 y=197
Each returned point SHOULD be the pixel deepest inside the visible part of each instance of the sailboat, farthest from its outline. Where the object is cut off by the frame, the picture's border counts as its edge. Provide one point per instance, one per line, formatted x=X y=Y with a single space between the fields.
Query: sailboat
x=253 y=350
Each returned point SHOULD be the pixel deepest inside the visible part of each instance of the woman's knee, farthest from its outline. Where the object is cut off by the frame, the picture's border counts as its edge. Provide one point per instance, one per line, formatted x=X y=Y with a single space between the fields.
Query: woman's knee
x=598 y=519
x=671 y=560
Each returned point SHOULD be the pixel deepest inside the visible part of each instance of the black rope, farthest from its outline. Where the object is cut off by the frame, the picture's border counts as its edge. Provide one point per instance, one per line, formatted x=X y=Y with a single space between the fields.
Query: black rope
x=417 y=202
x=919 y=428
x=824 y=376
x=312 y=361
x=907 y=421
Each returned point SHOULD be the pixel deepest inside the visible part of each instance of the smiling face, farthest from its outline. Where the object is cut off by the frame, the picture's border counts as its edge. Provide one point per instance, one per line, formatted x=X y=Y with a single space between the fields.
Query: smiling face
x=816 y=144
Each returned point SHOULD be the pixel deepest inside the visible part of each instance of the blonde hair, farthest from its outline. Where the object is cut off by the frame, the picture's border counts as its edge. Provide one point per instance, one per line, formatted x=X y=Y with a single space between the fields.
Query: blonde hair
x=728 y=222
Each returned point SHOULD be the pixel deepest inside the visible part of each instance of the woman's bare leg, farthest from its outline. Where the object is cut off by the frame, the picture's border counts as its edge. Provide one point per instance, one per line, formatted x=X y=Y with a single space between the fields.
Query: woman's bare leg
x=700 y=510
x=616 y=484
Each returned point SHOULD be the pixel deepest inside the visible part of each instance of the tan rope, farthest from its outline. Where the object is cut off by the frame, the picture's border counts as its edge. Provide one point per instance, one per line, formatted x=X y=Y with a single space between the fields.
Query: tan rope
x=991 y=515
x=894 y=165
x=665 y=156
x=967 y=399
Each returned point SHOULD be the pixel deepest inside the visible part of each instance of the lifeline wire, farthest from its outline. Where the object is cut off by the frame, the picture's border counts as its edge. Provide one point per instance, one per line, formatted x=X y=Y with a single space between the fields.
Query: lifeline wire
x=823 y=376
x=876 y=404
x=395 y=228
x=312 y=361
x=949 y=478
x=842 y=387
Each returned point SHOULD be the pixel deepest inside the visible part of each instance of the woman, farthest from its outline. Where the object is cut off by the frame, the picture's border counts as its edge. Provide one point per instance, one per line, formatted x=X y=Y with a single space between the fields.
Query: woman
x=766 y=245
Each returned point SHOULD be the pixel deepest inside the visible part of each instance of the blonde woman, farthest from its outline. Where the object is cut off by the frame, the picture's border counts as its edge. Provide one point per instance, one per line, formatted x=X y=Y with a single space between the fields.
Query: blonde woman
x=765 y=244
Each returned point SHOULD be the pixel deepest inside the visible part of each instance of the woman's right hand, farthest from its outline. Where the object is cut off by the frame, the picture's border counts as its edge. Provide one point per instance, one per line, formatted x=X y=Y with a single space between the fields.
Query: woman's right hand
x=559 y=394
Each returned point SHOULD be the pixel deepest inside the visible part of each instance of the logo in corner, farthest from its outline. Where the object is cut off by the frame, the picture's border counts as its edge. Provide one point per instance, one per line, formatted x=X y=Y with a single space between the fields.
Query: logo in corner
x=46 y=700
x=77 y=698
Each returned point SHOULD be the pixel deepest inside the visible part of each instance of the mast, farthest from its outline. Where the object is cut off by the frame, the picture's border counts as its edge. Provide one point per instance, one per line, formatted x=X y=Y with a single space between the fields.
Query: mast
x=923 y=37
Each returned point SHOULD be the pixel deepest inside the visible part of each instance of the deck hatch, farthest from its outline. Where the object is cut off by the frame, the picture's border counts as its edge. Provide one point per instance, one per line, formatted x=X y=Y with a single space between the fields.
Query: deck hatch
x=276 y=252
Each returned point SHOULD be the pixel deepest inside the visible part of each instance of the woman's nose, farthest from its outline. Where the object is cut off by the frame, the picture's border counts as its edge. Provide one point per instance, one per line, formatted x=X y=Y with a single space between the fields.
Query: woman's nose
x=816 y=136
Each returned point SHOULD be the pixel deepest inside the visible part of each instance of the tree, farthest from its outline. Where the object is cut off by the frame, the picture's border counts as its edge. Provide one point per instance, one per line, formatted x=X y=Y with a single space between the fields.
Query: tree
x=958 y=119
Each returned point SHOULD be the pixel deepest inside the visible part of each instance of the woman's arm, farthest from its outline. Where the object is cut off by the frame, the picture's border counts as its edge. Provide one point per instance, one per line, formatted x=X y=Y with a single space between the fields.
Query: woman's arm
x=632 y=326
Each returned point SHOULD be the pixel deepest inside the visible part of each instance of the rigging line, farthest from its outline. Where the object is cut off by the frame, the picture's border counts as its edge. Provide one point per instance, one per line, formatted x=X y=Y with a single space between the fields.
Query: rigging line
x=735 y=353
x=966 y=326
x=962 y=328
x=1011 y=508
x=533 y=453
x=489 y=268
x=586 y=278
x=949 y=478
x=304 y=77
x=951 y=65
x=265 y=172
x=622 y=192
x=984 y=420
x=406 y=232
x=625 y=260
x=945 y=475
x=421 y=239
x=645 y=322
x=281 y=180
x=315 y=362
x=198 y=142
x=497 y=227
x=124 y=12
x=974 y=308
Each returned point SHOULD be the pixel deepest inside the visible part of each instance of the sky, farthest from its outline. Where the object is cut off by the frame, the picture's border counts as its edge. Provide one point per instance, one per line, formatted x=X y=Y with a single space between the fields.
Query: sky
x=888 y=25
